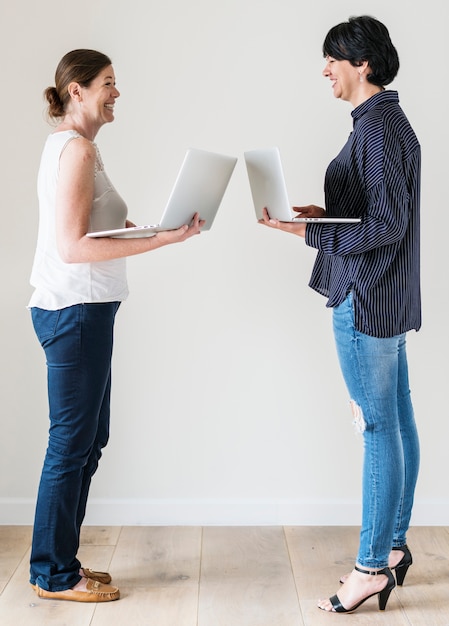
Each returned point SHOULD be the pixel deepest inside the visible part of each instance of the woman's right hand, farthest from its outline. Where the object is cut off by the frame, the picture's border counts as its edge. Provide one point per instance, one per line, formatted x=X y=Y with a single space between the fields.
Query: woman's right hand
x=182 y=233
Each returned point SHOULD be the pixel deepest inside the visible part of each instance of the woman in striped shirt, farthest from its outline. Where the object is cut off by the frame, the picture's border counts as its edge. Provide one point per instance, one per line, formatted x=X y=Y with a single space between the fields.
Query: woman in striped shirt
x=369 y=272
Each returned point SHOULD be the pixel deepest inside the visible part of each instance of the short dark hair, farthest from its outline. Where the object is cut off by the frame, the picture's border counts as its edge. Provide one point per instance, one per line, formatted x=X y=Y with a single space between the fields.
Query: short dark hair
x=79 y=66
x=361 y=39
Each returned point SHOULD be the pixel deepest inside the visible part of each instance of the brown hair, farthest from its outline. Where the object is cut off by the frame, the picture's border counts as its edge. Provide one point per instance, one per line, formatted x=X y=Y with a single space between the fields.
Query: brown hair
x=79 y=66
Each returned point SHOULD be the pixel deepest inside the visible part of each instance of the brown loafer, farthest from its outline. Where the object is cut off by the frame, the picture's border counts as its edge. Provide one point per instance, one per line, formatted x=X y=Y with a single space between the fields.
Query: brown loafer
x=101 y=577
x=95 y=592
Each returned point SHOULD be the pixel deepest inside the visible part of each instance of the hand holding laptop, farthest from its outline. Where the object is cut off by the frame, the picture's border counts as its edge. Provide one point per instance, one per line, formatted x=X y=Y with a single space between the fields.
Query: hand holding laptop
x=309 y=211
x=295 y=228
x=182 y=233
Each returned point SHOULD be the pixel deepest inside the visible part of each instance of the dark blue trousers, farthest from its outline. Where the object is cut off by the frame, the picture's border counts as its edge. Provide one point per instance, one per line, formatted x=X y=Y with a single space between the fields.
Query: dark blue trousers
x=78 y=342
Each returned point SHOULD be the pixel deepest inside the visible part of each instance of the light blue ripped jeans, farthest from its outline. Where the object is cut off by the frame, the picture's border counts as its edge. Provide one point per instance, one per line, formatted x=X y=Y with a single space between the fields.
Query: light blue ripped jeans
x=376 y=375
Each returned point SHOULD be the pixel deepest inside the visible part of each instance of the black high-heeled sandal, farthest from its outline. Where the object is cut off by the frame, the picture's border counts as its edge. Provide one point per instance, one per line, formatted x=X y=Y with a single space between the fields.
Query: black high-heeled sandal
x=401 y=568
x=382 y=595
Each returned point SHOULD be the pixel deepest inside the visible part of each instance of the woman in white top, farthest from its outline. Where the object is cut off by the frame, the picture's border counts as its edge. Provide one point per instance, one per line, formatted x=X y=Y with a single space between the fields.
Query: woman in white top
x=79 y=284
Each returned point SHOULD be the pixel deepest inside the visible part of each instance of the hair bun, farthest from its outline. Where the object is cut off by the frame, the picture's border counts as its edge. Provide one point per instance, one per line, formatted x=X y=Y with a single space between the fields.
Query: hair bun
x=55 y=106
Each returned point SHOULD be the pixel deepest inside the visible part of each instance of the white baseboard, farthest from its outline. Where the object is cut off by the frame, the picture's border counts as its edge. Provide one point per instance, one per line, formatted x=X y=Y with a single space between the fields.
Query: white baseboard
x=17 y=511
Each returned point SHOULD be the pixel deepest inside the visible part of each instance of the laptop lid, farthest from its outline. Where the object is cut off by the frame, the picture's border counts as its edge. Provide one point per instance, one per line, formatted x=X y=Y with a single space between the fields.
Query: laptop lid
x=199 y=188
x=269 y=190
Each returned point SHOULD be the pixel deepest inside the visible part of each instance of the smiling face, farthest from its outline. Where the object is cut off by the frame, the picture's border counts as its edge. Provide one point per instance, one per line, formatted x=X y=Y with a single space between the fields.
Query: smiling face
x=349 y=82
x=98 y=99
x=344 y=77
x=92 y=106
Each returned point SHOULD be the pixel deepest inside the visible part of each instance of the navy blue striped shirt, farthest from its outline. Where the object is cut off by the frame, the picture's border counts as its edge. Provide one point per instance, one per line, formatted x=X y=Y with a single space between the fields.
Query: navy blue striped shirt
x=376 y=176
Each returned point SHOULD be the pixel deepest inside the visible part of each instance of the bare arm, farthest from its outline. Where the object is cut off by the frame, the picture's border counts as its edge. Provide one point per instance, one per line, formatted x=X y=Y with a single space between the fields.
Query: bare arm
x=74 y=199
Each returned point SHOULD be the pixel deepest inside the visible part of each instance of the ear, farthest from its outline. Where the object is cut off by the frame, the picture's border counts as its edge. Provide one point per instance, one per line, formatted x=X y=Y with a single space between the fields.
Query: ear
x=362 y=66
x=74 y=90
x=362 y=69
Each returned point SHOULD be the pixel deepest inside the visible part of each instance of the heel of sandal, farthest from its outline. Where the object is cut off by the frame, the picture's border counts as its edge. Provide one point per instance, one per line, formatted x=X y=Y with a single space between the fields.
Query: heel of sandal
x=401 y=568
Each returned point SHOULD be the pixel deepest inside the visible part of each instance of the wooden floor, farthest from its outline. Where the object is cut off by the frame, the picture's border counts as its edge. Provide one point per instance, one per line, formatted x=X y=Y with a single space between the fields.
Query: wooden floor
x=225 y=576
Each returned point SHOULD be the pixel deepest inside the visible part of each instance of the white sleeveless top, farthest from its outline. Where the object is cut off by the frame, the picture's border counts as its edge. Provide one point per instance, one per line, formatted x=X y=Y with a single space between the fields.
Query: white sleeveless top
x=58 y=284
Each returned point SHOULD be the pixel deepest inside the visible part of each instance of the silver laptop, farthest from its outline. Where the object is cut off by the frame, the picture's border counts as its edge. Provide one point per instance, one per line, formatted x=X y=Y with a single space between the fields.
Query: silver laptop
x=199 y=188
x=268 y=189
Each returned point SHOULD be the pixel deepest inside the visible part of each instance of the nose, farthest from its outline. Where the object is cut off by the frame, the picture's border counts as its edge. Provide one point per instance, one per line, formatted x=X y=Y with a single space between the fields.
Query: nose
x=326 y=70
x=116 y=93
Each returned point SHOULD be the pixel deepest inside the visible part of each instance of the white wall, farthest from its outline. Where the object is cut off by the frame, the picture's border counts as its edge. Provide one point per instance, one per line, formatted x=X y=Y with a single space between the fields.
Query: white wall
x=228 y=403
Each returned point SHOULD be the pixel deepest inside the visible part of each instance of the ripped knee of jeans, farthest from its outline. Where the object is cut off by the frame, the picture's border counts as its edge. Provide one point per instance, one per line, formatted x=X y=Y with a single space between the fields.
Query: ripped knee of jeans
x=357 y=417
